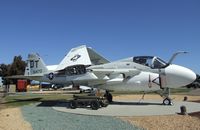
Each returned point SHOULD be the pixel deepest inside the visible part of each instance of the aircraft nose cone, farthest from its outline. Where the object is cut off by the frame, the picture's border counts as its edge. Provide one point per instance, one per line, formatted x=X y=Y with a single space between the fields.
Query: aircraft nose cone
x=179 y=76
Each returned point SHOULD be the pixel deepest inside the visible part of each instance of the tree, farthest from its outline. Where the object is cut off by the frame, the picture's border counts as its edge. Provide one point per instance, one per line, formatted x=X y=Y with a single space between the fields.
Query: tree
x=4 y=70
x=17 y=67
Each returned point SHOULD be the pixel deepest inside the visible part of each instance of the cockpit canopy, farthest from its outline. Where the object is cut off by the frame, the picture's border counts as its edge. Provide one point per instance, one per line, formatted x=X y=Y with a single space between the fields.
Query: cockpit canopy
x=150 y=61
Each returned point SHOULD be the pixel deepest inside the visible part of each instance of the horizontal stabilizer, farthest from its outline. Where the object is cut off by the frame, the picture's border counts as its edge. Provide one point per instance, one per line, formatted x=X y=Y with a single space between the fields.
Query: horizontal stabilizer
x=23 y=77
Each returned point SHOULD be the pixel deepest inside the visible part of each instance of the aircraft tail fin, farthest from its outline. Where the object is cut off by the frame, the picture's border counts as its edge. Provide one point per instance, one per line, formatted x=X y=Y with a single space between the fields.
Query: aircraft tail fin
x=35 y=65
x=81 y=55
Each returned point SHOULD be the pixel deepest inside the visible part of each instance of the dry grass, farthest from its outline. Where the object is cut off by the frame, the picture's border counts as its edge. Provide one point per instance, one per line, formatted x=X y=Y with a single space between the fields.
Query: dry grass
x=12 y=119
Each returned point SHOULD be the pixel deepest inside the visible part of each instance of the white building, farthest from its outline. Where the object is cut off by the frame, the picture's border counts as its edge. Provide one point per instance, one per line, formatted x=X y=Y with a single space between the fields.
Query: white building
x=1 y=84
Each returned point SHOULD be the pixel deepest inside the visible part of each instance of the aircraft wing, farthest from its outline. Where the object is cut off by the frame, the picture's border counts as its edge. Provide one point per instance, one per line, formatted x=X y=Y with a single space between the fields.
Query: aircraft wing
x=109 y=72
x=96 y=58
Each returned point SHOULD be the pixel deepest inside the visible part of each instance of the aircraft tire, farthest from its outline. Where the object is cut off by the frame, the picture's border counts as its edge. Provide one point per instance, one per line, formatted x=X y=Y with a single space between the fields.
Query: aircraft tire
x=109 y=97
x=167 y=101
x=104 y=103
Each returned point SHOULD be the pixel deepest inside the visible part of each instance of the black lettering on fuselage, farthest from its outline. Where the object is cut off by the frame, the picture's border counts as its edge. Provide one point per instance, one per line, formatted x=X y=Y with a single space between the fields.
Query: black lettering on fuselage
x=34 y=64
x=37 y=71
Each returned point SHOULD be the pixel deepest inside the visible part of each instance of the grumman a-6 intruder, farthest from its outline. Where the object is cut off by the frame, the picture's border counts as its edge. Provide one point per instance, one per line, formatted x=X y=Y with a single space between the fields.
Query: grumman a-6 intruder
x=83 y=66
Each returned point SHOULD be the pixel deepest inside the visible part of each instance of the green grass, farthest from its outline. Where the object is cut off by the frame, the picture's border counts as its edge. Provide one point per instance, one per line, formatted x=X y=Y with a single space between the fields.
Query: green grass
x=20 y=100
x=173 y=91
x=180 y=90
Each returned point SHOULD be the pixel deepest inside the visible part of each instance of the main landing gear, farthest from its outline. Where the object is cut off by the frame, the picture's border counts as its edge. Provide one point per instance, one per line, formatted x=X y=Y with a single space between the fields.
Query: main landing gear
x=108 y=96
x=166 y=96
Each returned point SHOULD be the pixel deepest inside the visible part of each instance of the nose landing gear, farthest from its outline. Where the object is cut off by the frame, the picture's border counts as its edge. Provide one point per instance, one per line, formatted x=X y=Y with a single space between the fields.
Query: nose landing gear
x=166 y=95
x=167 y=101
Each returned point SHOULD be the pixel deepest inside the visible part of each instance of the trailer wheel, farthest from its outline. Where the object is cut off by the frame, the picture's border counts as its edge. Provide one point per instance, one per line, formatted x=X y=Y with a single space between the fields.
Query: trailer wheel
x=73 y=105
x=104 y=103
x=95 y=105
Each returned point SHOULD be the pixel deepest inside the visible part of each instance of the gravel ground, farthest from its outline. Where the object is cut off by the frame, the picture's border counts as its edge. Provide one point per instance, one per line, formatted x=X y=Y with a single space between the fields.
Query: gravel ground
x=45 y=118
x=169 y=122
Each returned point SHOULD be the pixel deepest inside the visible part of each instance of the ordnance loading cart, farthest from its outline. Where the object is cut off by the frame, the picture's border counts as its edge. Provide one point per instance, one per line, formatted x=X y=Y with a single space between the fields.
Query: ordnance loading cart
x=94 y=102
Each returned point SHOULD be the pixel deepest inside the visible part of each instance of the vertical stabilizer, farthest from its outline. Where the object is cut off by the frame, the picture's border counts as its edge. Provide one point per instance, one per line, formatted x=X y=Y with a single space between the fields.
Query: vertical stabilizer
x=35 y=65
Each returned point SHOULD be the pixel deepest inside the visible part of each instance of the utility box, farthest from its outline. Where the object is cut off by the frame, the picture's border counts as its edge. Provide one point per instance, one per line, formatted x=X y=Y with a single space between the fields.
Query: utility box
x=21 y=85
x=12 y=88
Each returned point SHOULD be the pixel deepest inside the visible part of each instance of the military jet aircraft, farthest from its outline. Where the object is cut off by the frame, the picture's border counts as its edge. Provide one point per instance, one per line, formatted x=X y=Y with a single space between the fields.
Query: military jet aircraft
x=84 y=66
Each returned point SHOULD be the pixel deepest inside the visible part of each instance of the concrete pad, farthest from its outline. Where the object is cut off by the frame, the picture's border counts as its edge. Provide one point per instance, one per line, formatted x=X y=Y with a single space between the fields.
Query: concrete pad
x=132 y=108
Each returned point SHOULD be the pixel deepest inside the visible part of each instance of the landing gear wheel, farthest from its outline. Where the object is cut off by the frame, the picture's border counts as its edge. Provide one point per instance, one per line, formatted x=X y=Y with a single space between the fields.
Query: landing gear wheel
x=167 y=101
x=108 y=96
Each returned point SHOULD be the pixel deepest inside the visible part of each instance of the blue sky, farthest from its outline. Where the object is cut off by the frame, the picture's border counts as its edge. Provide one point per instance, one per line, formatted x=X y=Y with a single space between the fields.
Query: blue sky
x=114 y=28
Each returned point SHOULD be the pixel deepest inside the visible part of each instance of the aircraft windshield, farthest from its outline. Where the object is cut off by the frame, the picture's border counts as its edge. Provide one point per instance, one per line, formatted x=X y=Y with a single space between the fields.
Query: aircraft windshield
x=150 y=61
